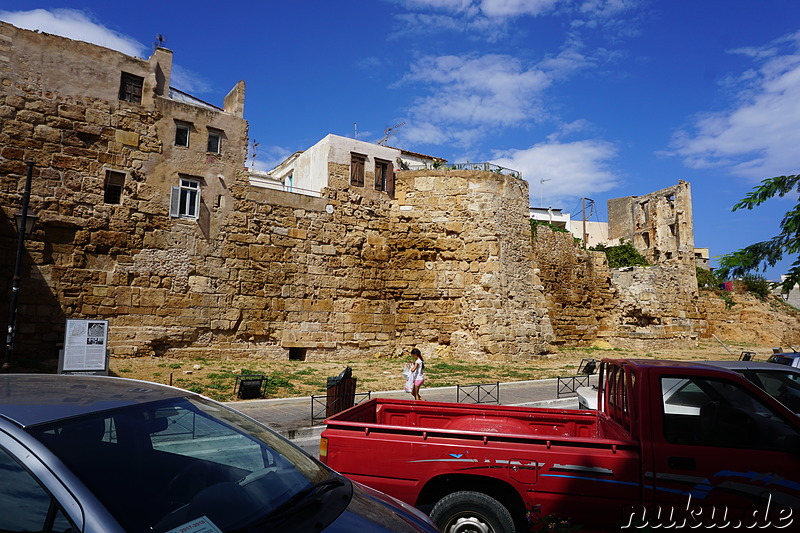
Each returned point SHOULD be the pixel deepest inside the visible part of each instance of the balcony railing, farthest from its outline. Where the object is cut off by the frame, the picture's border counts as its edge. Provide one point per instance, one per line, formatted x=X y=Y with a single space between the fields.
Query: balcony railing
x=485 y=167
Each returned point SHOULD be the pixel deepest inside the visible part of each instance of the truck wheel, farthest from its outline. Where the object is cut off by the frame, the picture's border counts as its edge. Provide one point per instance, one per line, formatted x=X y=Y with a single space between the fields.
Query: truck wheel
x=471 y=512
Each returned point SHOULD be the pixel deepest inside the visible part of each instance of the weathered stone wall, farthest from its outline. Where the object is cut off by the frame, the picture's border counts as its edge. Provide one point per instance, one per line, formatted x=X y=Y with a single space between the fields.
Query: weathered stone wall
x=659 y=224
x=445 y=266
x=632 y=307
x=658 y=303
x=581 y=297
x=462 y=262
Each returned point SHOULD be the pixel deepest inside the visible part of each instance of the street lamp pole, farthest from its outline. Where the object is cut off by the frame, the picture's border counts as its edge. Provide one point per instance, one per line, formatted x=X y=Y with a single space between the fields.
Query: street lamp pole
x=541 y=201
x=12 y=312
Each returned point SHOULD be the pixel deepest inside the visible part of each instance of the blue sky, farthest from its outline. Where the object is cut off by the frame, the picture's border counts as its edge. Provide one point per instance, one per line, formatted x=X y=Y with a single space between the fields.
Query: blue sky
x=587 y=98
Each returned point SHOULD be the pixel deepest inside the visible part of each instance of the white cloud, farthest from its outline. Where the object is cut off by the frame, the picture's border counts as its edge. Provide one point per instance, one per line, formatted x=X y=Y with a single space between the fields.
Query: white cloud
x=267 y=157
x=758 y=136
x=563 y=170
x=480 y=90
x=470 y=96
x=189 y=82
x=75 y=25
x=514 y=8
x=589 y=13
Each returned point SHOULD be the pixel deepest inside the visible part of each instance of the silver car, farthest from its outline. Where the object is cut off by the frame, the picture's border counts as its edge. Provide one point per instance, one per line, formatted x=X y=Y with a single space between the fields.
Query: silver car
x=108 y=455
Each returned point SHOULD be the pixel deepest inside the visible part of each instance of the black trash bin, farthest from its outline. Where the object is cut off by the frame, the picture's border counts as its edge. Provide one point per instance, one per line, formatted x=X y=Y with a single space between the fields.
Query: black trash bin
x=341 y=392
x=249 y=386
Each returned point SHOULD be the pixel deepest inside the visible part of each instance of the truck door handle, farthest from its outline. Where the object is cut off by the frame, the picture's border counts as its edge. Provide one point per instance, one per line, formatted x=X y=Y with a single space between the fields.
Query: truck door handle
x=682 y=463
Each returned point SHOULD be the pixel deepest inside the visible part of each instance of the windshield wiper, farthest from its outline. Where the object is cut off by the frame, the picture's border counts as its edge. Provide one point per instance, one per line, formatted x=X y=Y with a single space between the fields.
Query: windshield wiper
x=298 y=501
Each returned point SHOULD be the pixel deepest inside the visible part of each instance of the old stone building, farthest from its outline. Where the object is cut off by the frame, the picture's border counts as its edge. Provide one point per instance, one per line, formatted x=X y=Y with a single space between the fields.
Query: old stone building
x=147 y=218
x=659 y=224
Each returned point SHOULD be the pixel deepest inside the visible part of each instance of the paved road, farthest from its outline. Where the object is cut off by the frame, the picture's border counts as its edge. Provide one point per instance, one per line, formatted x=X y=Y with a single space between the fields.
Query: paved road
x=292 y=417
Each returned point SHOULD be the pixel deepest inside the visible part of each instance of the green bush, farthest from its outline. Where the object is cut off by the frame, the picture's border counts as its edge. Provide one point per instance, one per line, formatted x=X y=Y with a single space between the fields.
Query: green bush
x=536 y=223
x=758 y=285
x=622 y=255
x=707 y=278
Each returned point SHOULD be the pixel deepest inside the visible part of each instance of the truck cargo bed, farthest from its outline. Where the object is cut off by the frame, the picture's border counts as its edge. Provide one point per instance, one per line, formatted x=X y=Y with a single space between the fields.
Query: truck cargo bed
x=389 y=414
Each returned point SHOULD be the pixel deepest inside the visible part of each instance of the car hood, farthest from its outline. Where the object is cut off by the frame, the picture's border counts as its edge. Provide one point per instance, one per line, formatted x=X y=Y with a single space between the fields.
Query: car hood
x=372 y=511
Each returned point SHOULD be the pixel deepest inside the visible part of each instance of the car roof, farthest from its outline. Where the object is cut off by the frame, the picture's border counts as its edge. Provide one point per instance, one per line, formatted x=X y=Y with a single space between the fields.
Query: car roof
x=753 y=365
x=30 y=399
x=651 y=363
x=787 y=355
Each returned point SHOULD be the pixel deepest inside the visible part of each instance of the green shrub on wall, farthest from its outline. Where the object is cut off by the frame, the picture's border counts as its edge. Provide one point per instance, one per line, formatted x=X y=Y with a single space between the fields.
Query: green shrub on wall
x=707 y=279
x=757 y=285
x=621 y=255
x=536 y=223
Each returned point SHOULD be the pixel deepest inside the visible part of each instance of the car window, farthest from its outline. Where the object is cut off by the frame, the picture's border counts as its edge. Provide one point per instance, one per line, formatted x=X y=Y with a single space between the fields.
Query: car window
x=210 y=440
x=180 y=460
x=783 y=386
x=24 y=504
x=711 y=412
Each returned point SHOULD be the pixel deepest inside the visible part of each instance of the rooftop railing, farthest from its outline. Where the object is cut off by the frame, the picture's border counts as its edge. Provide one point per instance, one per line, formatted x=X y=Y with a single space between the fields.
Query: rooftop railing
x=485 y=167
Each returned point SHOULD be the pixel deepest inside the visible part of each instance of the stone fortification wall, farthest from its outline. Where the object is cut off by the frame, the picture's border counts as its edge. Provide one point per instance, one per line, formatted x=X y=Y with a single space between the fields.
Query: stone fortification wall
x=581 y=296
x=461 y=265
x=658 y=303
x=91 y=257
x=631 y=307
x=348 y=276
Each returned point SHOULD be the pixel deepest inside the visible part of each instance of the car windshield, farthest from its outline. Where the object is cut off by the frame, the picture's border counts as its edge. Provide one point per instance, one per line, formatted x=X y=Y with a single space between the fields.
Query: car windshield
x=189 y=461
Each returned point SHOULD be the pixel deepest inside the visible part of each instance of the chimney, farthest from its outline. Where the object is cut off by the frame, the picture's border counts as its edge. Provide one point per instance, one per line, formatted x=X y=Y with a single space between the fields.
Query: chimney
x=234 y=102
x=161 y=62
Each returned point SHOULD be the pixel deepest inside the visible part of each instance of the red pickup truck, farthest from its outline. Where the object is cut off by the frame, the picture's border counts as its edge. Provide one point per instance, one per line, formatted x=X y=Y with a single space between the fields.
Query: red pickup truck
x=672 y=444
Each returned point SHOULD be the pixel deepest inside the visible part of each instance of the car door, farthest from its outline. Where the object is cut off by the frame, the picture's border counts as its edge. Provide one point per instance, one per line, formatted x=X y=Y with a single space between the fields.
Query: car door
x=25 y=504
x=722 y=454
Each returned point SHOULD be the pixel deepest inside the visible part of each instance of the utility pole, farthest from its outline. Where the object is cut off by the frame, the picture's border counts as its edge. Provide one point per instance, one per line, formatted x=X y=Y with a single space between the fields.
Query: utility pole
x=583 y=218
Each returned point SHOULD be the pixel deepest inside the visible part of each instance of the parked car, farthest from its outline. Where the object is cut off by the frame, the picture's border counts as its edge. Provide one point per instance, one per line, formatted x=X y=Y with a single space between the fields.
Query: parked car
x=779 y=381
x=788 y=358
x=110 y=455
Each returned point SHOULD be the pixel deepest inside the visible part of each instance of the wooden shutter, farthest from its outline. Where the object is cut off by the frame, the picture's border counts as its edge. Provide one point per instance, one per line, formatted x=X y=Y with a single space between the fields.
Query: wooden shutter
x=175 y=202
x=357 y=170
x=390 y=179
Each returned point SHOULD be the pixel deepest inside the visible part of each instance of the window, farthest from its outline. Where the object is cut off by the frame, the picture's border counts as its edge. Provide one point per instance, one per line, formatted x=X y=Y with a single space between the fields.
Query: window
x=357 y=169
x=130 y=88
x=115 y=181
x=182 y=134
x=709 y=412
x=384 y=176
x=24 y=504
x=185 y=199
x=214 y=141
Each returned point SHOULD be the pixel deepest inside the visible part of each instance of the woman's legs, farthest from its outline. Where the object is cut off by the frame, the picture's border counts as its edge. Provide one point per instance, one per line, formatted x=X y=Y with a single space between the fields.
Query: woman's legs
x=415 y=391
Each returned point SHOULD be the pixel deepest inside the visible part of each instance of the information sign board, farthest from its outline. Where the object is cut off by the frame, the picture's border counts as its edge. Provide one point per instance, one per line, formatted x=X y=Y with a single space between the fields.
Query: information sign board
x=84 y=347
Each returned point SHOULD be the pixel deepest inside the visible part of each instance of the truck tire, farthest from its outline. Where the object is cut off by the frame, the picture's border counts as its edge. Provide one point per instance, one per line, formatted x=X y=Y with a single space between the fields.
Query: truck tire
x=471 y=512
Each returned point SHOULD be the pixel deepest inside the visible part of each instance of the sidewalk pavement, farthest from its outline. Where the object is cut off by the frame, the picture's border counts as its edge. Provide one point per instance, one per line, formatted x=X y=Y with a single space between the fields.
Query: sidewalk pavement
x=291 y=417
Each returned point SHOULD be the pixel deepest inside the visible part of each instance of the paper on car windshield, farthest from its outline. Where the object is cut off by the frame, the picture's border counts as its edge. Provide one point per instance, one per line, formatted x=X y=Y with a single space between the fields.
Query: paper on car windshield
x=201 y=525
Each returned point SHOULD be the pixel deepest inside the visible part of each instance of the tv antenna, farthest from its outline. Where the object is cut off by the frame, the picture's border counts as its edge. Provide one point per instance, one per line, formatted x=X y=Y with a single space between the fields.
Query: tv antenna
x=388 y=132
x=160 y=40
x=253 y=154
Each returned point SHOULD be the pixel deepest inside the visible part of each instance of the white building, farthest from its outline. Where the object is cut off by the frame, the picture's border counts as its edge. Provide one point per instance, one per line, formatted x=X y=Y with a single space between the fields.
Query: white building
x=306 y=172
